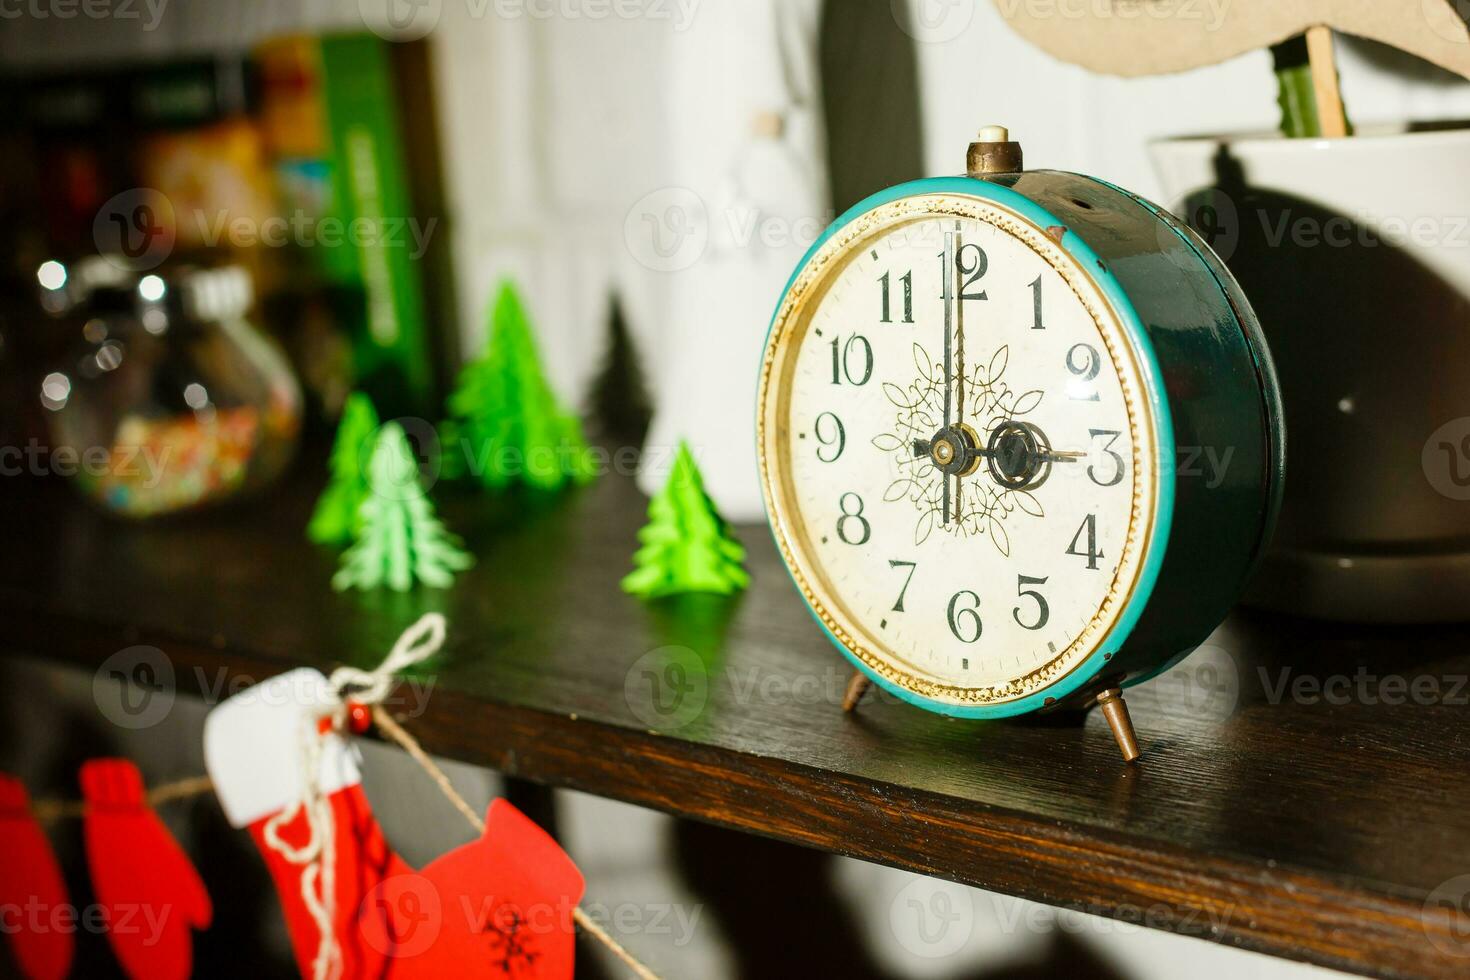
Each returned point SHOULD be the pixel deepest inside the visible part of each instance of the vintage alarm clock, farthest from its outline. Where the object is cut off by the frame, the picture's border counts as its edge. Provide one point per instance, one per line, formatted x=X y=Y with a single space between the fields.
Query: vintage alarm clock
x=1020 y=439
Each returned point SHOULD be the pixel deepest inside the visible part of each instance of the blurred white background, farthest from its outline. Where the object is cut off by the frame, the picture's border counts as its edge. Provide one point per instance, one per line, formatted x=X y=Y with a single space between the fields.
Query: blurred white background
x=597 y=150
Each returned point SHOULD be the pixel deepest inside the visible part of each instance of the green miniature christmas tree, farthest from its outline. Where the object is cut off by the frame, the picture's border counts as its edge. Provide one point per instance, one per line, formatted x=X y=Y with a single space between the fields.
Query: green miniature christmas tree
x=399 y=539
x=334 y=521
x=506 y=425
x=687 y=546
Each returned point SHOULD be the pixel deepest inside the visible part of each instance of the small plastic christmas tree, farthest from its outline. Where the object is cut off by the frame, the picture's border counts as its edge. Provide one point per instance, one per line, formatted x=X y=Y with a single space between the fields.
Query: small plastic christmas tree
x=687 y=546
x=399 y=540
x=334 y=520
x=506 y=425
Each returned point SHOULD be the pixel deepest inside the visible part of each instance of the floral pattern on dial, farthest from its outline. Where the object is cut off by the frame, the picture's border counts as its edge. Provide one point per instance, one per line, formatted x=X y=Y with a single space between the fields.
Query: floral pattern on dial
x=982 y=508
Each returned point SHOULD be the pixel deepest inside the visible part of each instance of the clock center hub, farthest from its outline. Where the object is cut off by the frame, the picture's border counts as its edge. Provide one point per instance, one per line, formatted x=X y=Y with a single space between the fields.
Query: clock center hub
x=955 y=450
x=1018 y=455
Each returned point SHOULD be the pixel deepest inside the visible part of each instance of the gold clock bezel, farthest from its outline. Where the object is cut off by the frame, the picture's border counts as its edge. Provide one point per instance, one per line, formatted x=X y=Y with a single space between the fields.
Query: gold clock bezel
x=773 y=438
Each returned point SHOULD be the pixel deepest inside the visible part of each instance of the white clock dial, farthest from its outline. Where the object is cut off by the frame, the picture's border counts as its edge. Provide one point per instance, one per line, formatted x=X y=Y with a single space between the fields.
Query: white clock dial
x=957 y=450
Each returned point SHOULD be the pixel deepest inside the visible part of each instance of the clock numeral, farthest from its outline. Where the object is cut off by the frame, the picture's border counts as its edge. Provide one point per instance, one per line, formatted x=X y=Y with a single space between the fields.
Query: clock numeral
x=843 y=355
x=971 y=261
x=966 y=618
x=971 y=271
x=1043 y=611
x=908 y=297
x=1036 y=323
x=1107 y=448
x=836 y=441
x=856 y=514
x=1086 y=370
x=1089 y=525
x=910 y=565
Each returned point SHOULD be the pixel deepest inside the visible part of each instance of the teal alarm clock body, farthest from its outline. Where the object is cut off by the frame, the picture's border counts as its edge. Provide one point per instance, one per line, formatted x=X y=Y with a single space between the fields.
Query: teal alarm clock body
x=1219 y=436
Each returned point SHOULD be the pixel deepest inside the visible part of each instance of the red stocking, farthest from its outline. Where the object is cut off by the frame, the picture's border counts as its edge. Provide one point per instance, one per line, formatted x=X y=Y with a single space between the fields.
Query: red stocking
x=147 y=887
x=34 y=906
x=255 y=747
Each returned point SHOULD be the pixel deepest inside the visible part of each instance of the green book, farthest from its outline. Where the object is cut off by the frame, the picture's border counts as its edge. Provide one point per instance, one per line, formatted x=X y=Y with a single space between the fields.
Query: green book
x=331 y=109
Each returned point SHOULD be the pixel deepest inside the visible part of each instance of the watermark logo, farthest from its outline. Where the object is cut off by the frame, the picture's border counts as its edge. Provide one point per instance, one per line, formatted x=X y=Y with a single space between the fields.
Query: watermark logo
x=667 y=230
x=401 y=916
x=1366 y=688
x=400 y=20
x=145 y=465
x=670 y=229
x=1450 y=901
x=409 y=20
x=121 y=919
x=1206 y=685
x=933 y=21
x=134 y=688
x=139 y=228
x=407 y=477
x=1212 y=214
x=667 y=688
x=148 y=12
x=1270 y=224
x=300 y=229
x=134 y=229
x=1209 y=14
x=932 y=918
x=1446 y=459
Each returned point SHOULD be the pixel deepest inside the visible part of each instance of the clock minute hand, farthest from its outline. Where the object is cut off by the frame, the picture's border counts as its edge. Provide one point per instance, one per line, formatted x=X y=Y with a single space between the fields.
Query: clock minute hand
x=1048 y=456
x=948 y=294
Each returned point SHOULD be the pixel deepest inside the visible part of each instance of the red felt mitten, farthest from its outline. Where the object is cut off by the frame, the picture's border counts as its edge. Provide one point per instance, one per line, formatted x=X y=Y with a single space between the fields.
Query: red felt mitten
x=34 y=906
x=500 y=906
x=147 y=887
x=256 y=748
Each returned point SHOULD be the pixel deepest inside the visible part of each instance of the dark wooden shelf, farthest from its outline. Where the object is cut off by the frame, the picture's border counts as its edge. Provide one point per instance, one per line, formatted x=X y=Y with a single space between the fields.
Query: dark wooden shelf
x=1313 y=831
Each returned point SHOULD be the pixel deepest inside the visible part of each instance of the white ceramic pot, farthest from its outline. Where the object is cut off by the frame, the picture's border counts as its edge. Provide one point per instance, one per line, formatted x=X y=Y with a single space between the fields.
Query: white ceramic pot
x=1355 y=254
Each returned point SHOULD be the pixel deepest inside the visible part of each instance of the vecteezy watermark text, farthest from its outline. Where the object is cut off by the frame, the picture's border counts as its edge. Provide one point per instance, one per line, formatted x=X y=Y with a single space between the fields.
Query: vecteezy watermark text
x=135 y=688
x=123 y=918
x=145 y=462
x=148 y=12
x=303 y=230
x=409 y=20
x=1365 y=687
x=1209 y=14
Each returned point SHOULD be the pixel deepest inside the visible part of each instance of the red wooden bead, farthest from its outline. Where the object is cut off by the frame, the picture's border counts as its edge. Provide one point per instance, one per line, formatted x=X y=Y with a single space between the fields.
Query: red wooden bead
x=359 y=717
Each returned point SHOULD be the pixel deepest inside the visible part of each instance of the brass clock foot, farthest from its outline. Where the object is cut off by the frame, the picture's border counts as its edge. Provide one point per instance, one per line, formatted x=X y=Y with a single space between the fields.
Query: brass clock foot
x=1116 y=712
x=856 y=688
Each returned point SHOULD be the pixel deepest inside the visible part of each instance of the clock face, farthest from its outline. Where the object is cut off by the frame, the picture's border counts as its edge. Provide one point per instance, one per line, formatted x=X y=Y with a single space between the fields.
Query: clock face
x=957 y=450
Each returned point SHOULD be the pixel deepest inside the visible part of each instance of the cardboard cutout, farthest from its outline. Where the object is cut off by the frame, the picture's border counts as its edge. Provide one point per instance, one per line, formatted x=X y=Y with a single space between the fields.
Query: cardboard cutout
x=1151 y=37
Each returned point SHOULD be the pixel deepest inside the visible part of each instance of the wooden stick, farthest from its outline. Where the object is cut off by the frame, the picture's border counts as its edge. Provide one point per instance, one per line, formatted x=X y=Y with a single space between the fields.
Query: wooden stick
x=1330 y=114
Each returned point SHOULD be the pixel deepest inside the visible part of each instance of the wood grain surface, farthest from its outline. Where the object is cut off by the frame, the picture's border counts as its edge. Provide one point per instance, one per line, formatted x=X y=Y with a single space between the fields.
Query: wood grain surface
x=1302 y=792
